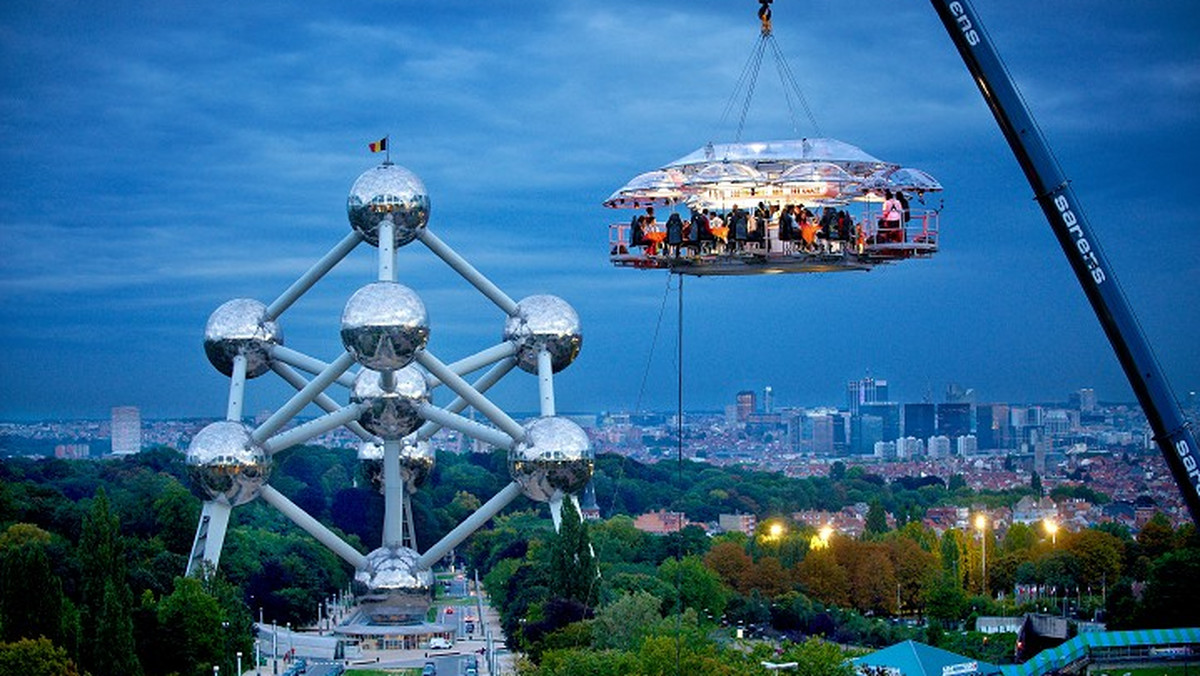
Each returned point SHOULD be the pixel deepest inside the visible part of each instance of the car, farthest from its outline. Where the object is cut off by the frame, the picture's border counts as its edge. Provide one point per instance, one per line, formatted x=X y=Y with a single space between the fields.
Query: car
x=440 y=643
x=471 y=671
x=430 y=669
x=470 y=627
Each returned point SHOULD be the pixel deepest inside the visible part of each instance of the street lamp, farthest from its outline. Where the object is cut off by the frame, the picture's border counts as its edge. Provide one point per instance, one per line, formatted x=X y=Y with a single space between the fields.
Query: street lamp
x=776 y=530
x=216 y=670
x=239 y=656
x=1052 y=529
x=981 y=525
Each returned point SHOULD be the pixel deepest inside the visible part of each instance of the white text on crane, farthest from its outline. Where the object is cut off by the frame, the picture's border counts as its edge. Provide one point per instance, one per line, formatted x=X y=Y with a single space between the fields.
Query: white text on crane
x=964 y=23
x=1081 y=242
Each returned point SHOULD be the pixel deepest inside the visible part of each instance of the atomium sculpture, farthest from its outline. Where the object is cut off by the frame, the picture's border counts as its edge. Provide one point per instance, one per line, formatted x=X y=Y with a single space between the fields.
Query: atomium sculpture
x=385 y=331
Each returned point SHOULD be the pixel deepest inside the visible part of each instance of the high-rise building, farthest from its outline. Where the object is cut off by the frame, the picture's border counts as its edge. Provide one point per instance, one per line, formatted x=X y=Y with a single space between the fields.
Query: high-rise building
x=967 y=445
x=746 y=405
x=939 y=446
x=768 y=400
x=823 y=434
x=889 y=415
x=865 y=391
x=954 y=419
x=126 y=430
x=865 y=430
x=919 y=421
x=992 y=428
x=1087 y=400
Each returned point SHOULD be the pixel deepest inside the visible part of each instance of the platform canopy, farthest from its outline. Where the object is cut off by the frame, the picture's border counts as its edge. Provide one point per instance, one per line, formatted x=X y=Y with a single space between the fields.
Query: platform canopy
x=917 y=659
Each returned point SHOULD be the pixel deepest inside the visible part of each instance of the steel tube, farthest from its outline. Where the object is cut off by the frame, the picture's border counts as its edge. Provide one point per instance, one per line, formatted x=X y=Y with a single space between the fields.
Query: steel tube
x=469 y=525
x=313 y=527
x=306 y=363
x=312 y=428
x=393 y=495
x=237 y=389
x=316 y=272
x=488 y=435
x=483 y=384
x=463 y=389
x=545 y=382
x=477 y=361
x=387 y=250
x=462 y=267
x=323 y=400
x=302 y=398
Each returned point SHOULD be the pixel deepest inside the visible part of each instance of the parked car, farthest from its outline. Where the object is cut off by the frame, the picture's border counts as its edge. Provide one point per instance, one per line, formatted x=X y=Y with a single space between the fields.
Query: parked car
x=430 y=669
x=439 y=643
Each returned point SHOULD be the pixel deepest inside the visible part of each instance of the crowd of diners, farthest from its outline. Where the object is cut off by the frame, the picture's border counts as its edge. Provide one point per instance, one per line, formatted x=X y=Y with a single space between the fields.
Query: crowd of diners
x=798 y=229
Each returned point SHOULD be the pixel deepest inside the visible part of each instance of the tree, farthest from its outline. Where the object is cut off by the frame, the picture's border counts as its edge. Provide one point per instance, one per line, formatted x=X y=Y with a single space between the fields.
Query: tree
x=732 y=563
x=193 y=619
x=31 y=598
x=623 y=623
x=815 y=657
x=35 y=657
x=107 y=600
x=876 y=520
x=1035 y=483
x=824 y=579
x=693 y=586
x=573 y=571
x=944 y=599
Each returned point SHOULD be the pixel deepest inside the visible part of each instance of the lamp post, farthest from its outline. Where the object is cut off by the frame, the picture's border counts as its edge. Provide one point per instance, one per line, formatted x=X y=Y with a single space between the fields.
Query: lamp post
x=239 y=656
x=981 y=525
x=216 y=670
x=1052 y=529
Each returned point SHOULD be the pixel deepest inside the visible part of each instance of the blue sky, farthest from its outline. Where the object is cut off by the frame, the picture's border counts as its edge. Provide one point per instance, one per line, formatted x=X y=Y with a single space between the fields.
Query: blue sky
x=159 y=158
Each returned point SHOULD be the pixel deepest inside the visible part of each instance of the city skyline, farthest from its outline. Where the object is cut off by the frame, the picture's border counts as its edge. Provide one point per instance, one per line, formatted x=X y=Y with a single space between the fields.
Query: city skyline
x=162 y=162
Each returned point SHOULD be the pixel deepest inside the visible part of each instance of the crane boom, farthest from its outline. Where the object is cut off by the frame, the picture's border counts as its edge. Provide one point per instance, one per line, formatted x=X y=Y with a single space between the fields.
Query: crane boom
x=1053 y=192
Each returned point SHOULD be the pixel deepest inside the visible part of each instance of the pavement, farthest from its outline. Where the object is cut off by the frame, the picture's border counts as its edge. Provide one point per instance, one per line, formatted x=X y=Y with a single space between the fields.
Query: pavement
x=449 y=662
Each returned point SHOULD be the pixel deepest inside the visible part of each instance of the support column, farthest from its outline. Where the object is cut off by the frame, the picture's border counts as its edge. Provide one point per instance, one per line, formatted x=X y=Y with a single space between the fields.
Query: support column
x=237 y=389
x=545 y=382
x=210 y=535
x=387 y=250
x=316 y=272
x=393 y=495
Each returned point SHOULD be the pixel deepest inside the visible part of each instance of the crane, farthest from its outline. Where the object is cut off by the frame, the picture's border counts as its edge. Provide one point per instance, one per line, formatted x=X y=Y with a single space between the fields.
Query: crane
x=1053 y=193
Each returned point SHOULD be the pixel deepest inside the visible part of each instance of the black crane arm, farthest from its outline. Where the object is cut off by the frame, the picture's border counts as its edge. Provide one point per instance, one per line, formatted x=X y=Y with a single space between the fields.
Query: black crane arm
x=1053 y=192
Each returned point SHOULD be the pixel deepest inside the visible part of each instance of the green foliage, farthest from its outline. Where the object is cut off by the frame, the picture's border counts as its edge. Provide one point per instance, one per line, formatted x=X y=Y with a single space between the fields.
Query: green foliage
x=623 y=623
x=573 y=571
x=192 y=619
x=35 y=657
x=31 y=598
x=107 y=622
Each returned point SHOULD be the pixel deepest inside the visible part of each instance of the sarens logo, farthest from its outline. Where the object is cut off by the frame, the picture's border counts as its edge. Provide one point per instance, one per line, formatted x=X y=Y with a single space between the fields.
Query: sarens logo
x=1081 y=243
x=964 y=23
x=1189 y=462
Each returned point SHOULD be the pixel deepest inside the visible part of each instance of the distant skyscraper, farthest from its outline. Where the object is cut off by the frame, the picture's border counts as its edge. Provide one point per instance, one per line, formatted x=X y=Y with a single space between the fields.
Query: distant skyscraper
x=939 y=446
x=865 y=431
x=888 y=414
x=957 y=394
x=1087 y=400
x=987 y=426
x=746 y=405
x=126 y=430
x=823 y=434
x=865 y=391
x=919 y=421
x=768 y=400
x=954 y=420
x=967 y=445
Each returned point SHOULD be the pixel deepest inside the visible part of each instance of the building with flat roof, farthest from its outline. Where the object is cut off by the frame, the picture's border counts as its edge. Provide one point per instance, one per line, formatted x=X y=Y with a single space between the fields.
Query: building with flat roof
x=126 y=430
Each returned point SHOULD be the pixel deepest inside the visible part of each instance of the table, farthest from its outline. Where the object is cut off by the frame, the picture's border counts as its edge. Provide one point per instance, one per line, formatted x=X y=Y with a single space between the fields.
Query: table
x=655 y=237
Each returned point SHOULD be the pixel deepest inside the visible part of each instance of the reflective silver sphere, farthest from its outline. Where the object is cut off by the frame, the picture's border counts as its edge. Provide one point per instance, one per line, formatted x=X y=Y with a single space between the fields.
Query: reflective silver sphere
x=391 y=415
x=241 y=326
x=370 y=454
x=395 y=569
x=224 y=463
x=383 y=326
x=556 y=456
x=416 y=461
x=388 y=191
x=544 y=322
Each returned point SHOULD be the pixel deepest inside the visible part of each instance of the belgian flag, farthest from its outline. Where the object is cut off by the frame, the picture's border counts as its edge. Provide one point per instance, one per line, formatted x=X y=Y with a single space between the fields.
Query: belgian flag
x=378 y=146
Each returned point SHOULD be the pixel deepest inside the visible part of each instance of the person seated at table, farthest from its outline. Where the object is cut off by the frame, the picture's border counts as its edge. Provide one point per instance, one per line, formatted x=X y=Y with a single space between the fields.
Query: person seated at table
x=637 y=235
x=693 y=232
x=739 y=225
x=787 y=224
x=674 y=234
x=808 y=230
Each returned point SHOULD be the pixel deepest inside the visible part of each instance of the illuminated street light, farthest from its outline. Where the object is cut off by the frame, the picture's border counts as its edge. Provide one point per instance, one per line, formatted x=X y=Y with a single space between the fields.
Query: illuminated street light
x=776 y=530
x=981 y=523
x=1052 y=528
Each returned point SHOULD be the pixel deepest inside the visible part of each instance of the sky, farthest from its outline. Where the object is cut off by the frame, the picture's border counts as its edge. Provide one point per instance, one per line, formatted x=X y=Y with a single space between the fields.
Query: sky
x=160 y=158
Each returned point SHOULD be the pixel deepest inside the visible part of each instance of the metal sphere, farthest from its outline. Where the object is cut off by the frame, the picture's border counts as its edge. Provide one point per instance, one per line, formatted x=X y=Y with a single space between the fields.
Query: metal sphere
x=370 y=454
x=388 y=191
x=225 y=464
x=555 y=457
x=416 y=462
x=544 y=322
x=395 y=568
x=391 y=415
x=383 y=326
x=240 y=326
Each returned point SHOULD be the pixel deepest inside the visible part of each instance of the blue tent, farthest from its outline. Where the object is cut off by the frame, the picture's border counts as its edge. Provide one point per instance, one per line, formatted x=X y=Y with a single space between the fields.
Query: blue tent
x=917 y=659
